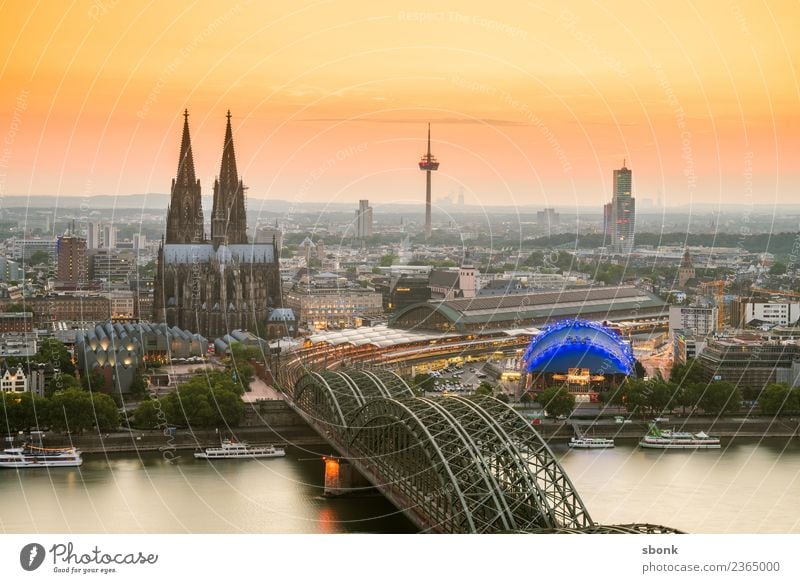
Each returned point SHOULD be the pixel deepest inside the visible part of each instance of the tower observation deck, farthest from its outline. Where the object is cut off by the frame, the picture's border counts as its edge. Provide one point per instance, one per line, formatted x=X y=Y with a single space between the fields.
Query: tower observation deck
x=428 y=164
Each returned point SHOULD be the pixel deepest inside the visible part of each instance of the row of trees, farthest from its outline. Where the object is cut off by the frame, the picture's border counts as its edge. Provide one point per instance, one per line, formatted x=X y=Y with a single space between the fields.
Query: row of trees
x=206 y=400
x=779 y=399
x=72 y=409
x=657 y=396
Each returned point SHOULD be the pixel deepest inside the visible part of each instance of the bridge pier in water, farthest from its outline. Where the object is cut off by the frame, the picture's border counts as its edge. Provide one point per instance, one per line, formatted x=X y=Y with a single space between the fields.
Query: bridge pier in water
x=341 y=478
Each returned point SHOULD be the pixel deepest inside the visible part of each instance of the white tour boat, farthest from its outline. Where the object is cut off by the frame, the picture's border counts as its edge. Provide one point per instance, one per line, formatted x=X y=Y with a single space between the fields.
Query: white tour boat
x=670 y=439
x=591 y=442
x=29 y=456
x=232 y=449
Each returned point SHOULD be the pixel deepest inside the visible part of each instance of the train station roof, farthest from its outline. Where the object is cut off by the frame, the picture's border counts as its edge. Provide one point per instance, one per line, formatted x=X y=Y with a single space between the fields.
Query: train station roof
x=380 y=335
x=618 y=303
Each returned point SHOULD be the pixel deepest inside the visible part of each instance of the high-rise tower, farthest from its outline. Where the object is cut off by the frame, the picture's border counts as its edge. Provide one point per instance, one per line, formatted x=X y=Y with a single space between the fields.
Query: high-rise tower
x=363 y=220
x=428 y=164
x=185 y=210
x=228 y=217
x=623 y=211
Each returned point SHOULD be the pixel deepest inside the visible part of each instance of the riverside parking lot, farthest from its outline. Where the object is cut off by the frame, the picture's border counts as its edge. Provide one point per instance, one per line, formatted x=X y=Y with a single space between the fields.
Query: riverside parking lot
x=459 y=378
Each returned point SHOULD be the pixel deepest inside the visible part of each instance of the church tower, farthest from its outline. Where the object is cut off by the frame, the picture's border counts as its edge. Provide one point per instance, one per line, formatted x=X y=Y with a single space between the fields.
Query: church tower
x=686 y=269
x=228 y=217
x=185 y=210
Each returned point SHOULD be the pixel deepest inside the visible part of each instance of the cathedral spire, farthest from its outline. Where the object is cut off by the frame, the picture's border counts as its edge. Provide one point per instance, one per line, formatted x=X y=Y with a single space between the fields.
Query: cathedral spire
x=186 y=175
x=228 y=175
x=228 y=220
x=185 y=210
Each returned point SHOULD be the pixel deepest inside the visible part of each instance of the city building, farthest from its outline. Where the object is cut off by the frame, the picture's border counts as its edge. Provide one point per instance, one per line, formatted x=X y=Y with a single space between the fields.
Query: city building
x=789 y=376
x=25 y=248
x=117 y=350
x=122 y=304
x=400 y=291
x=14 y=382
x=94 y=236
x=109 y=235
x=111 y=265
x=64 y=306
x=269 y=234
x=363 y=225
x=10 y=270
x=219 y=284
x=755 y=313
x=19 y=345
x=320 y=306
x=623 y=212
x=453 y=283
x=618 y=304
x=747 y=360
x=281 y=323
x=700 y=319
x=139 y=241
x=548 y=219
x=16 y=322
x=685 y=269
x=686 y=346
x=71 y=260
x=607 y=221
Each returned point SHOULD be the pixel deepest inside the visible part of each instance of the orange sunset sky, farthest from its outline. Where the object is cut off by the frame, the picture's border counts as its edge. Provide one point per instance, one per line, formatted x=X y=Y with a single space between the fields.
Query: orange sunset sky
x=531 y=103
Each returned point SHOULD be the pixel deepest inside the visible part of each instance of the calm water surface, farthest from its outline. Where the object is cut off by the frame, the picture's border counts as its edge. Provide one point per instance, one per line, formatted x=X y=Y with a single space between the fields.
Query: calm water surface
x=745 y=487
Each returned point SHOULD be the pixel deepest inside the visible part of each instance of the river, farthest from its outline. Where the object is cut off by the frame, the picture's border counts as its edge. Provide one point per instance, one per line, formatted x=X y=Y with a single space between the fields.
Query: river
x=748 y=486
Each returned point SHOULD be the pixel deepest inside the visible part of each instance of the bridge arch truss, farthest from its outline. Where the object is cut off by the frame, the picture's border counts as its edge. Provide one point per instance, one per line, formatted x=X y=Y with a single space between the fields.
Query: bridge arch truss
x=452 y=464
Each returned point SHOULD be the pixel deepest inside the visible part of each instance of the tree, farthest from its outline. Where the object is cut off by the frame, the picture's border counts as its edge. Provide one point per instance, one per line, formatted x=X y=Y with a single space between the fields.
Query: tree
x=721 y=398
x=39 y=257
x=659 y=396
x=777 y=268
x=93 y=380
x=138 y=386
x=689 y=383
x=639 y=369
x=633 y=396
x=59 y=382
x=148 y=414
x=387 y=260
x=71 y=410
x=557 y=401
x=22 y=411
x=106 y=413
x=238 y=363
x=777 y=399
x=485 y=389
x=204 y=401
x=423 y=382
x=53 y=352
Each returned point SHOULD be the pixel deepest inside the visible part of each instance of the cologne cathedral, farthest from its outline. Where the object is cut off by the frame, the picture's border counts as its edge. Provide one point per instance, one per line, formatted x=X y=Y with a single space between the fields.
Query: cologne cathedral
x=214 y=285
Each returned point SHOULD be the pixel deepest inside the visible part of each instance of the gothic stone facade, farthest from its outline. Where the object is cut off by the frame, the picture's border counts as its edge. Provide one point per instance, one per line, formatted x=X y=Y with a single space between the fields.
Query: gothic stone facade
x=214 y=286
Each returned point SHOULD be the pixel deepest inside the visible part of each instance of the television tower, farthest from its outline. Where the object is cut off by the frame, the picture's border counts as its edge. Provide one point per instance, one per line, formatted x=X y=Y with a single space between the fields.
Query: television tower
x=429 y=164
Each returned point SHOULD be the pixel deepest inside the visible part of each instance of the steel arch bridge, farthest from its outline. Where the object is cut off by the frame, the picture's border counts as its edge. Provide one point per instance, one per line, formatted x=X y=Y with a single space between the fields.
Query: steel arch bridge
x=451 y=464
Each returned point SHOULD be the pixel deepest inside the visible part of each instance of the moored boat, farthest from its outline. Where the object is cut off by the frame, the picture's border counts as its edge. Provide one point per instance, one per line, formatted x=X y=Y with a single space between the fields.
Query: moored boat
x=233 y=449
x=30 y=456
x=591 y=442
x=670 y=439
